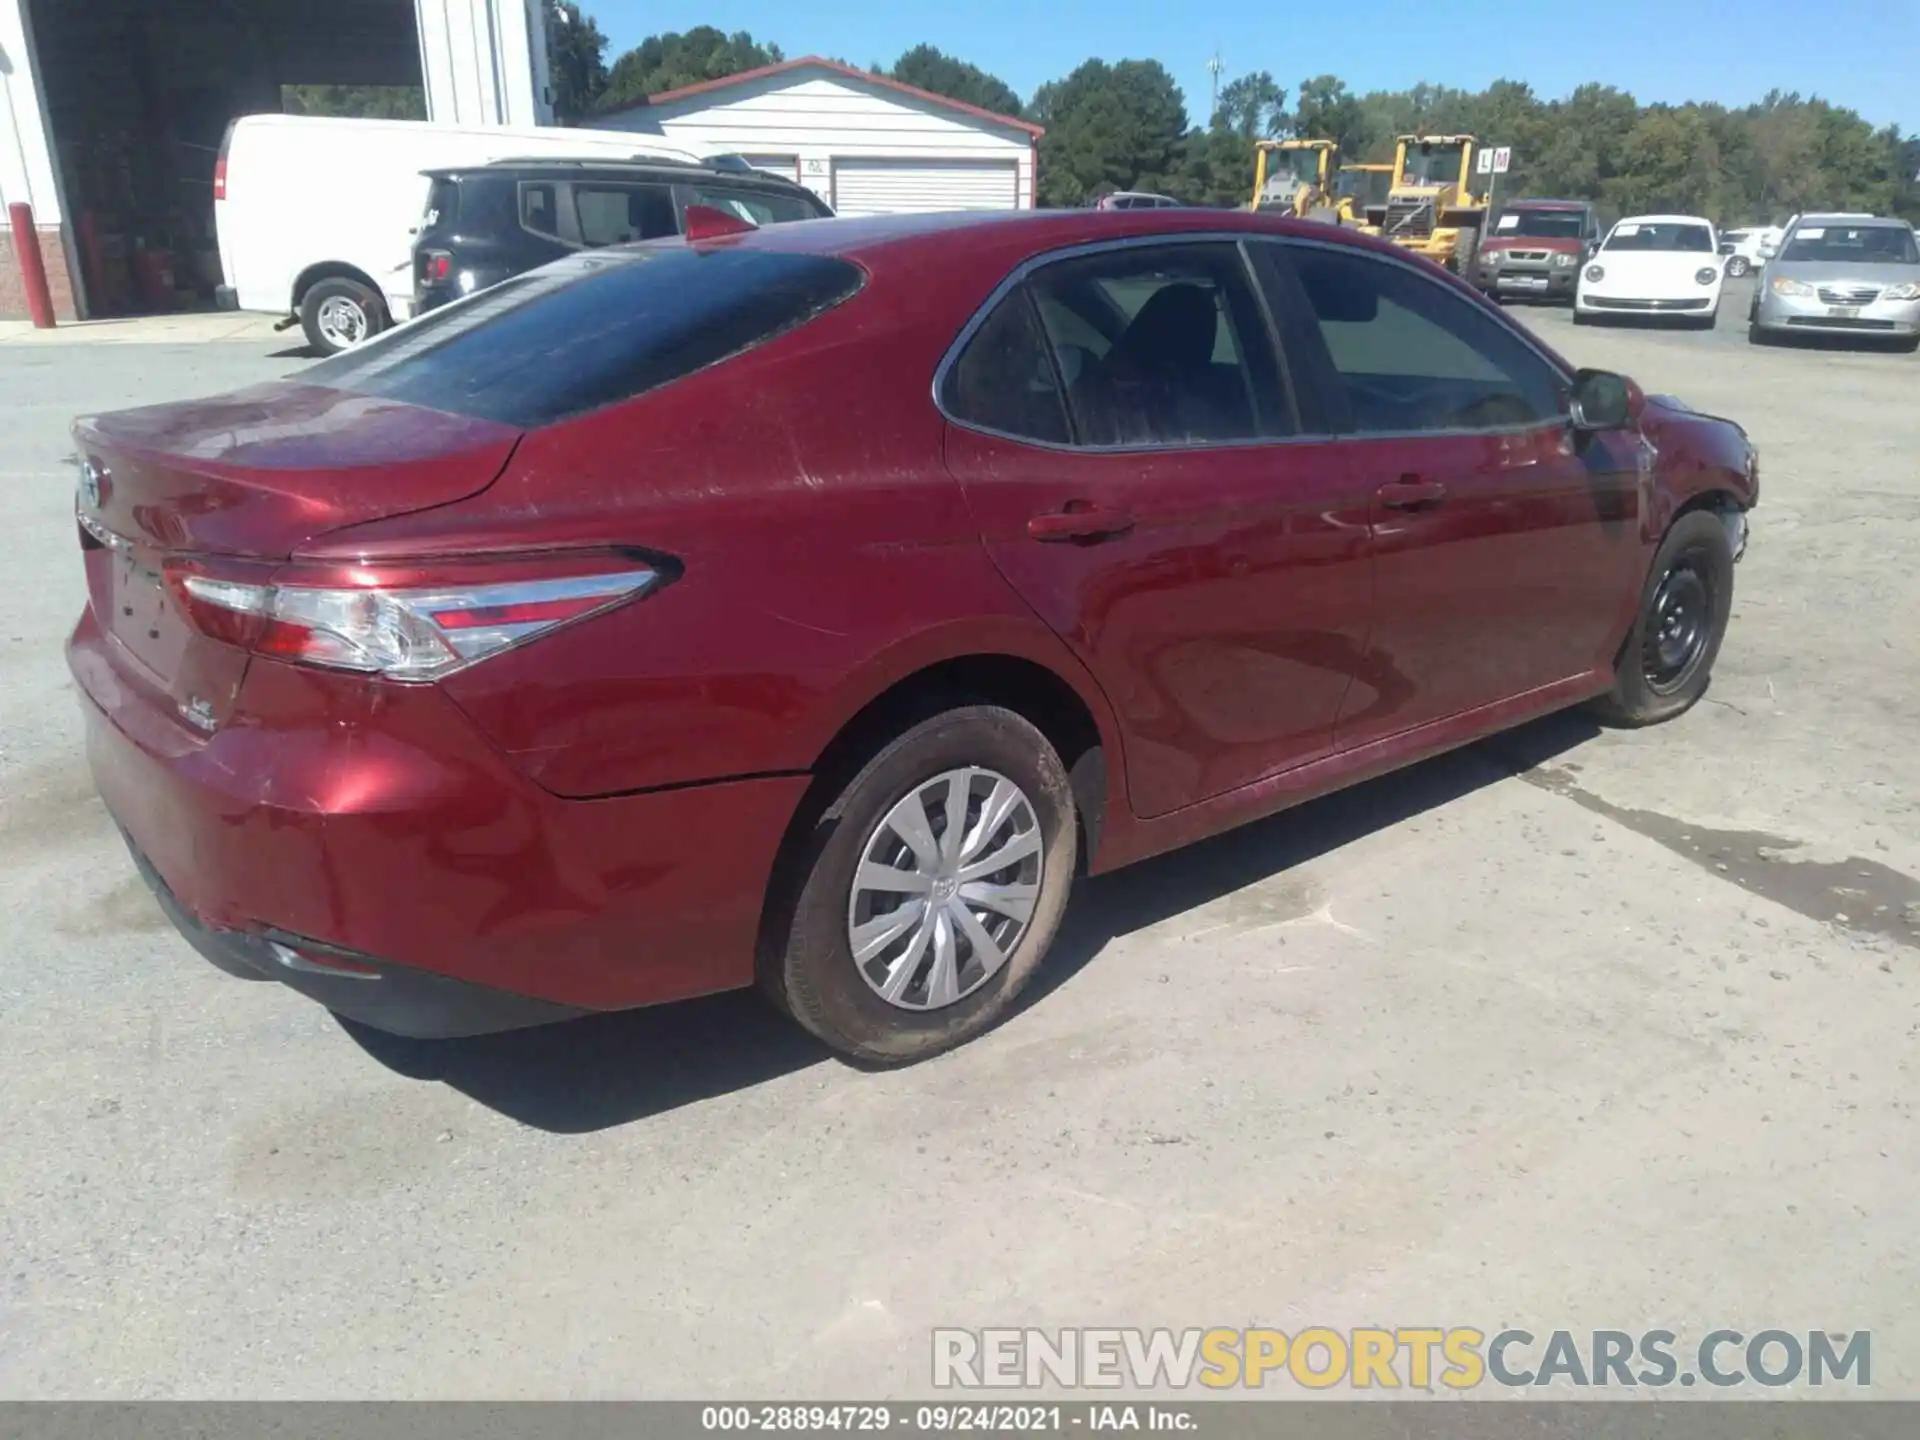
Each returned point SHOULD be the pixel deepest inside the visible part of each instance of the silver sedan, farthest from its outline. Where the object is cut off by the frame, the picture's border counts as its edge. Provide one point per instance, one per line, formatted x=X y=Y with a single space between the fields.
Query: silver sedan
x=1838 y=275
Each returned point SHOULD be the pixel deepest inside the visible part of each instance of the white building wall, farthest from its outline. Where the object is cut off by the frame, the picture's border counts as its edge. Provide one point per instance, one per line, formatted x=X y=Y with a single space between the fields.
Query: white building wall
x=26 y=154
x=818 y=118
x=484 y=62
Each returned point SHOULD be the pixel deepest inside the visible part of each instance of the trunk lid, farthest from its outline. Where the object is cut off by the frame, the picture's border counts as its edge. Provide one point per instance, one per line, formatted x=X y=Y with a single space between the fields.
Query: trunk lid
x=242 y=481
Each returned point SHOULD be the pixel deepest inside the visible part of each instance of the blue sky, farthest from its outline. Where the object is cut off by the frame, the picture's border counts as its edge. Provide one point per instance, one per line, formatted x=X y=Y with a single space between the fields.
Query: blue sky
x=1863 y=53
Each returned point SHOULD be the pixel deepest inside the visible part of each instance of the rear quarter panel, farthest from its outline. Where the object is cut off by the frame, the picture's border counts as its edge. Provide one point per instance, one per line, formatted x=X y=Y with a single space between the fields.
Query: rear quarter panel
x=823 y=554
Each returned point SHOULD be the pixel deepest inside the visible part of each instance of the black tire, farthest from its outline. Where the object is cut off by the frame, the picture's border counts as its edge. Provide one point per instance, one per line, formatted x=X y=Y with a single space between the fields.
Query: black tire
x=813 y=976
x=1466 y=252
x=324 y=333
x=1909 y=345
x=1757 y=336
x=1581 y=317
x=1654 y=682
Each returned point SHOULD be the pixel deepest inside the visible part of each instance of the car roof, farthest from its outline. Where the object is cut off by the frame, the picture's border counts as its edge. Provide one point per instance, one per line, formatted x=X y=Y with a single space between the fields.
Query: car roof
x=650 y=166
x=1007 y=237
x=1664 y=220
x=1548 y=205
x=1858 y=221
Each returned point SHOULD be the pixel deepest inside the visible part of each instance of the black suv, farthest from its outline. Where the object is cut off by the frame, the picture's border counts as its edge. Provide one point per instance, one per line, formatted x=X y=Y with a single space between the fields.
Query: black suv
x=486 y=222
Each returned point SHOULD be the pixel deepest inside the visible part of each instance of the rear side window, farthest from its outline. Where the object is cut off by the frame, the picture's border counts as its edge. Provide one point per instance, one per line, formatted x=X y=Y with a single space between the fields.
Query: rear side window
x=619 y=214
x=1162 y=346
x=539 y=210
x=1003 y=380
x=591 y=330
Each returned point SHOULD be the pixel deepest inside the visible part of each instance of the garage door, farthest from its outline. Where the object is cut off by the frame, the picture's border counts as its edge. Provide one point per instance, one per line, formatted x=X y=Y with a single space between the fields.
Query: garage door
x=895 y=187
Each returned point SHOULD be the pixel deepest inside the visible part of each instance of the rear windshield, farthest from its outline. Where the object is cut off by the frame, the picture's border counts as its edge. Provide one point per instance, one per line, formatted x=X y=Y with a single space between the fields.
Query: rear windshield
x=1661 y=235
x=590 y=330
x=1858 y=244
x=443 y=203
x=1542 y=224
x=762 y=207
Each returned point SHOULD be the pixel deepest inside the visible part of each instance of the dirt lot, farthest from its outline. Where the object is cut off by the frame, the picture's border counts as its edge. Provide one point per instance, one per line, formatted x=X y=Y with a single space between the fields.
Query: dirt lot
x=1574 y=1029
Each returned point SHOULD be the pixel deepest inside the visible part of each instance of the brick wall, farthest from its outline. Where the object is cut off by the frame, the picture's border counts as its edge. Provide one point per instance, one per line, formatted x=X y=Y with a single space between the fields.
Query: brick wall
x=13 y=295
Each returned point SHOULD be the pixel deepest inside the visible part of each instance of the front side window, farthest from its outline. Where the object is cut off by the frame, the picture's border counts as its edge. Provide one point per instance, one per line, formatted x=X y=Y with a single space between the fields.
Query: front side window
x=1162 y=345
x=1411 y=356
x=620 y=214
x=1677 y=236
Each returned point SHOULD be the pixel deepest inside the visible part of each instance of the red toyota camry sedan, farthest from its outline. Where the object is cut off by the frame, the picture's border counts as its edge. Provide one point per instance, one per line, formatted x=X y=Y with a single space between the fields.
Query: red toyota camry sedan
x=809 y=606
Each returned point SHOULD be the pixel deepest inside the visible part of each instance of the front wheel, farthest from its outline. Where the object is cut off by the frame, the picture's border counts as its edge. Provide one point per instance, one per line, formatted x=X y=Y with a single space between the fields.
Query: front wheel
x=339 y=313
x=930 y=889
x=1737 y=266
x=1664 y=666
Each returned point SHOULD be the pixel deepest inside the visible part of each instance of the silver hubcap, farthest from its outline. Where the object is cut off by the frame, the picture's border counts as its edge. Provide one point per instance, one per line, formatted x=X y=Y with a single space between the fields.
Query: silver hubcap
x=945 y=888
x=342 y=321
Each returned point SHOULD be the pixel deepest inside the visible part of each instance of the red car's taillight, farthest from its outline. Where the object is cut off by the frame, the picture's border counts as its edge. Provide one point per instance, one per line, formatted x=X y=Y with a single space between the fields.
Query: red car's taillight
x=403 y=627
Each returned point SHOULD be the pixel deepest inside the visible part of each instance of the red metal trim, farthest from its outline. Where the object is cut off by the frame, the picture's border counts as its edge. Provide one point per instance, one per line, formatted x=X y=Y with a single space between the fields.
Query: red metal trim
x=33 y=267
x=817 y=62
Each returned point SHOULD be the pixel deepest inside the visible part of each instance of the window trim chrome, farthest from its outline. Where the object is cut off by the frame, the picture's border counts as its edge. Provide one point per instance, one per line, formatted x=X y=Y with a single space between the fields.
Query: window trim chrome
x=1240 y=239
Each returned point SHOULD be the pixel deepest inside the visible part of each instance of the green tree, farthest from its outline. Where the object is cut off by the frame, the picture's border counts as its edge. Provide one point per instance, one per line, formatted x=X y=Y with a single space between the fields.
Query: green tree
x=1109 y=127
x=1668 y=162
x=931 y=69
x=670 y=61
x=1252 y=106
x=1326 y=110
x=576 y=62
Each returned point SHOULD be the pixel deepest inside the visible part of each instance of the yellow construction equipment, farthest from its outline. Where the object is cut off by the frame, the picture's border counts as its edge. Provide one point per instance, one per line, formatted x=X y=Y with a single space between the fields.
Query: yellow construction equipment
x=1359 y=190
x=1295 y=177
x=1433 y=207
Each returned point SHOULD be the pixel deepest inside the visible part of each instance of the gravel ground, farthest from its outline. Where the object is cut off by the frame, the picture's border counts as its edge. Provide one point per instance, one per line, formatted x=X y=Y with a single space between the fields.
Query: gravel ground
x=1573 y=1029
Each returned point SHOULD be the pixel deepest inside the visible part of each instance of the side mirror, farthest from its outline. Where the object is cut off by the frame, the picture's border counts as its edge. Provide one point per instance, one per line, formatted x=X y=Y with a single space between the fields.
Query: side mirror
x=1767 y=249
x=1601 y=400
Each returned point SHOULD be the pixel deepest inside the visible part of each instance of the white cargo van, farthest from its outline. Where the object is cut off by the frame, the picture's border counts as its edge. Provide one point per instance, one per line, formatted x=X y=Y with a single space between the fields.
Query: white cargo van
x=316 y=215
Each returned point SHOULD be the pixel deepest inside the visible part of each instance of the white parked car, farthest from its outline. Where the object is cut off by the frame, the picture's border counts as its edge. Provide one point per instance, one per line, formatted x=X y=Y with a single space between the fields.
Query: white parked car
x=316 y=215
x=1653 y=265
x=1747 y=250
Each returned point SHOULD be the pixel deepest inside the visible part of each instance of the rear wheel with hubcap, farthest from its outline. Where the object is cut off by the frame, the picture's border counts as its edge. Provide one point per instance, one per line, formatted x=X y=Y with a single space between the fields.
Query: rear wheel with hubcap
x=1737 y=266
x=1665 y=664
x=932 y=887
x=339 y=313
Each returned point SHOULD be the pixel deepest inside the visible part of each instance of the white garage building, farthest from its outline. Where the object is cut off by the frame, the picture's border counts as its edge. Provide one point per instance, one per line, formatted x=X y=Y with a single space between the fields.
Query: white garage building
x=864 y=144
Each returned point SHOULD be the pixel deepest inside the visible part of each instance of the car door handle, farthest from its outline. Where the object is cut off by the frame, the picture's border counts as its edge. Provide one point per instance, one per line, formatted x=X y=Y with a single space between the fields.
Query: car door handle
x=1079 y=520
x=1410 y=492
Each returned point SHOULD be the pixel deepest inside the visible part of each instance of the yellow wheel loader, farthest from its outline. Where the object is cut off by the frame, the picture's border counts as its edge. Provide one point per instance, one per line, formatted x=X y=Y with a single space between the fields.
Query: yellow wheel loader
x=1433 y=206
x=1359 y=190
x=1296 y=177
